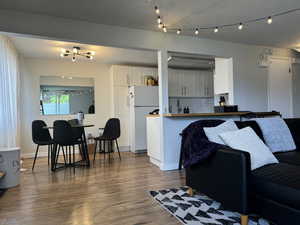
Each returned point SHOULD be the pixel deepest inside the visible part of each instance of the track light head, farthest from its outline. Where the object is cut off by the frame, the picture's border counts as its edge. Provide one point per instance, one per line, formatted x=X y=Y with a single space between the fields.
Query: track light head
x=241 y=26
x=156 y=9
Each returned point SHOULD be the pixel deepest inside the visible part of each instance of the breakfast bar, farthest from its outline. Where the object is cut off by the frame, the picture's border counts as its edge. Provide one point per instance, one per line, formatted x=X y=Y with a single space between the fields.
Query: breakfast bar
x=165 y=153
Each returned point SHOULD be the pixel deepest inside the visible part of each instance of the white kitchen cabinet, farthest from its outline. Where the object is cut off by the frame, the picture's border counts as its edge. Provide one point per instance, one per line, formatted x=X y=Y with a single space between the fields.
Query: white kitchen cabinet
x=187 y=80
x=153 y=140
x=131 y=75
x=208 y=86
x=174 y=83
x=190 y=83
x=223 y=75
x=121 y=75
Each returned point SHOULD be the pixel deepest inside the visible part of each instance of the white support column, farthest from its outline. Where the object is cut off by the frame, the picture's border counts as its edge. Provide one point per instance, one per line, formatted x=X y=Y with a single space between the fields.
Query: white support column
x=163 y=99
x=163 y=81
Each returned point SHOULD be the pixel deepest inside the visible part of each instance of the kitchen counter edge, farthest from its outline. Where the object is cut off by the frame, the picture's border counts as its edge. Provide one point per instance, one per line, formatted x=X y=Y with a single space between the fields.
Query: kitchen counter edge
x=244 y=113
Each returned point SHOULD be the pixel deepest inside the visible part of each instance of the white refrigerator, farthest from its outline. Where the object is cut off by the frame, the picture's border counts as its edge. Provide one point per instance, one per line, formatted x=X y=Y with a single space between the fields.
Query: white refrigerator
x=143 y=99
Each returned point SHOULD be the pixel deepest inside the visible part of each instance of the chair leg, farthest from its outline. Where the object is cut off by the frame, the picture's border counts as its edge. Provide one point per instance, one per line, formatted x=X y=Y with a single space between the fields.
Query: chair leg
x=104 y=150
x=36 y=152
x=118 y=149
x=244 y=219
x=70 y=156
x=74 y=159
x=64 y=155
x=57 y=154
x=49 y=154
x=109 y=149
x=95 y=150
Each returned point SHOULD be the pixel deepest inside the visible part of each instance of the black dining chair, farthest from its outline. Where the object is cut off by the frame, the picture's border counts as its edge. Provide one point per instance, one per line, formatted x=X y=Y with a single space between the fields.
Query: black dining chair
x=111 y=133
x=78 y=133
x=66 y=139
x=41 y=137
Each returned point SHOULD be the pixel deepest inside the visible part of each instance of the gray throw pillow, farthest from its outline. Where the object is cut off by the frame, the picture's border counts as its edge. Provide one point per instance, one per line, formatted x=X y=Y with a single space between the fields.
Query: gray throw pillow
x=212 y=133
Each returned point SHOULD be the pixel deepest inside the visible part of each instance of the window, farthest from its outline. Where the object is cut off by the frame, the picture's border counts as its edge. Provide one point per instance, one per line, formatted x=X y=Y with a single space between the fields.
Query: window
x=54 y=102
x=62 y=100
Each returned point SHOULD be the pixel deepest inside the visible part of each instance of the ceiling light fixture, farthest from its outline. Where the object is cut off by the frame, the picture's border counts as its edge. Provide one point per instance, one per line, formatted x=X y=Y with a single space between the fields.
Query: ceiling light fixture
x=75 y=52
x=241 y=26
x=297 y=49
x=164 y=28
x=156 y=10
x=270 y=20
x=158 y=19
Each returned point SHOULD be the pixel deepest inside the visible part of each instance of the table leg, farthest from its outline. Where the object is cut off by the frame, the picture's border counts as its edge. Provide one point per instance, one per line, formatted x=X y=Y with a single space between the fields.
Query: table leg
x=85 y=149
x=53 y=156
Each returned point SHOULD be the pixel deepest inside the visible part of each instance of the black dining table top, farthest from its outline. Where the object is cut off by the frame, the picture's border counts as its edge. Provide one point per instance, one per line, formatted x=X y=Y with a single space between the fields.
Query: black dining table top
x=75 y=126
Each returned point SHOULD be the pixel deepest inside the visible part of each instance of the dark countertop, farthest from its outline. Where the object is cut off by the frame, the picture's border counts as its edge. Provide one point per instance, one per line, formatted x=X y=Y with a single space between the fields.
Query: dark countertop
x=223 y=114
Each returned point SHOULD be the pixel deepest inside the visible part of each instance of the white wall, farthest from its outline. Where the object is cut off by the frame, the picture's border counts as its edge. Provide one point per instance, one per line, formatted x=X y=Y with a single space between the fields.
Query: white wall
x=249 y=80
x=296 y=89
x=32 y=69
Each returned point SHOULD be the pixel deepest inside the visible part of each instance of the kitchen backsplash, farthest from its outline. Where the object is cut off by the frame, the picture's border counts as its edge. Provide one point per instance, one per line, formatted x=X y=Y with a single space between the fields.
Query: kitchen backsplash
x=196 y=105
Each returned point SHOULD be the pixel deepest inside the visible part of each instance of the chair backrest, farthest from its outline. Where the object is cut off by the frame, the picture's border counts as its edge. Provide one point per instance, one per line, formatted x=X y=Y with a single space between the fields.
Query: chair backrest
x=39 y=133
x=73 y=122
x=63 y=133
x=77 y=131
x=112 y=129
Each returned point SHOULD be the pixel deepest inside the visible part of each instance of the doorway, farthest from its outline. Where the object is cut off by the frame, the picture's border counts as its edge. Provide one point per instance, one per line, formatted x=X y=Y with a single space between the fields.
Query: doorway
x=280 y=87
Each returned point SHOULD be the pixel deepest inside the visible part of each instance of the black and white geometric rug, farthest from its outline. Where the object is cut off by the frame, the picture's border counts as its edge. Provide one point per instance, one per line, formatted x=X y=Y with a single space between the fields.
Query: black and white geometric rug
x=199 y=209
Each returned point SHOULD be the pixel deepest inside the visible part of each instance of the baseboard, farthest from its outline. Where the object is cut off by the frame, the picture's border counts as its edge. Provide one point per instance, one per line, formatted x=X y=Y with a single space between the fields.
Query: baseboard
x=44 y=153
x=155 y=161
x=124 y=148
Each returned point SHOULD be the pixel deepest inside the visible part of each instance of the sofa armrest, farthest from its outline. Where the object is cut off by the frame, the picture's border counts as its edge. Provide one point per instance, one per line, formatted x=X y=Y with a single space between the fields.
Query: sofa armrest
x=224 y=178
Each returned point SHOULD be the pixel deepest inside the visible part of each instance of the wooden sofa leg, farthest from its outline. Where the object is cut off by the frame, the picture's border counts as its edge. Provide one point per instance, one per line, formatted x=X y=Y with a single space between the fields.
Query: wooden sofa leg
x=244 y=219
x=190 y=191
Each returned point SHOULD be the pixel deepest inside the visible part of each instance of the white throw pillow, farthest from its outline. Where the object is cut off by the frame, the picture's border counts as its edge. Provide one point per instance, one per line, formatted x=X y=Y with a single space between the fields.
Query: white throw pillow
x=212 y=133
x=246 y=140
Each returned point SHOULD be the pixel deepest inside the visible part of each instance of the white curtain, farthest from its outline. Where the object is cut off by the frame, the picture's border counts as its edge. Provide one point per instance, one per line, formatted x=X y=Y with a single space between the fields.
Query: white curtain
x=9 y=94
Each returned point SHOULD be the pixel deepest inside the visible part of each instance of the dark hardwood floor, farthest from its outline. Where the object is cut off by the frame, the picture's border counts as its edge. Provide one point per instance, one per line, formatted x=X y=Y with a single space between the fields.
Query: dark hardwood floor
x=115 y=193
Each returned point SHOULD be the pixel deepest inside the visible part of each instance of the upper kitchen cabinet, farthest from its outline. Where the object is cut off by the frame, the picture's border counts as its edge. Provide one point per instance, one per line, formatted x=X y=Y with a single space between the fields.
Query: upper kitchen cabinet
x=120 y=75
x=190 y=83
x=131 y=75
x=222 y=76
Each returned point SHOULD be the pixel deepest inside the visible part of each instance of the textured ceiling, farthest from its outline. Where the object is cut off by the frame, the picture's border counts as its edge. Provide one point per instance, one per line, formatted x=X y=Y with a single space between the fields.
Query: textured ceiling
x=284 y=32
x=48 y=49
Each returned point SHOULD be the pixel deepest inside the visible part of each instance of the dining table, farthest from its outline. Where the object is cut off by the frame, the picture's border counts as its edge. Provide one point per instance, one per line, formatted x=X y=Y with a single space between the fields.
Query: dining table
x=85 y=161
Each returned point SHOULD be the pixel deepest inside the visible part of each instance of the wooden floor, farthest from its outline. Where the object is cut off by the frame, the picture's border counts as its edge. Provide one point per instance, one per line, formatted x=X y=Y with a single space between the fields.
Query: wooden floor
x=115 y=194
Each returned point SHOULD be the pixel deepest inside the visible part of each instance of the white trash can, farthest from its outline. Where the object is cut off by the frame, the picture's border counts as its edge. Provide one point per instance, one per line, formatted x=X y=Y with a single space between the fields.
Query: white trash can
x=10 y=165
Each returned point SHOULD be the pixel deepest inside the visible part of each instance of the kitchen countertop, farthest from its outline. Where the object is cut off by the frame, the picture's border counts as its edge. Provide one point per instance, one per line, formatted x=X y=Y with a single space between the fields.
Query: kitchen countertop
x=221 y=114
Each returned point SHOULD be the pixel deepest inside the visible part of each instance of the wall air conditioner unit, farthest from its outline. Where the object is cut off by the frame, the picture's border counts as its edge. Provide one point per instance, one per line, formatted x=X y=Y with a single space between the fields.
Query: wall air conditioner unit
x=263 y=61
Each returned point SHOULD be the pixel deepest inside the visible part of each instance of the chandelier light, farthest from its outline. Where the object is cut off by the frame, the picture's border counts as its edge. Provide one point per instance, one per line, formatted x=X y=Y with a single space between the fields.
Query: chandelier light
x=76 y=52
x=240 y=25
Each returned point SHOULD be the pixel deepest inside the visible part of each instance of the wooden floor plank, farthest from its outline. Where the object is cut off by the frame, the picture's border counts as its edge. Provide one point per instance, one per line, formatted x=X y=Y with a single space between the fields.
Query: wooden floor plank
x=107 y=193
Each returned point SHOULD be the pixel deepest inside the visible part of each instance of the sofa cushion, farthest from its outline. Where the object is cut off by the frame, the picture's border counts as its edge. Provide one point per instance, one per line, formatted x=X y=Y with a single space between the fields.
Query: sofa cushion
x=277 y=134
x=246 y=140
x=253 y=125
x=279 y=182
x=212 y=133
x=292 y=157
x=294 y=126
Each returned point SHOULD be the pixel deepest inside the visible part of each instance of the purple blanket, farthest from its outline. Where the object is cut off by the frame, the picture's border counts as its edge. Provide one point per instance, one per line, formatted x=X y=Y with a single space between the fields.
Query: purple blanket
x=195 y=146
